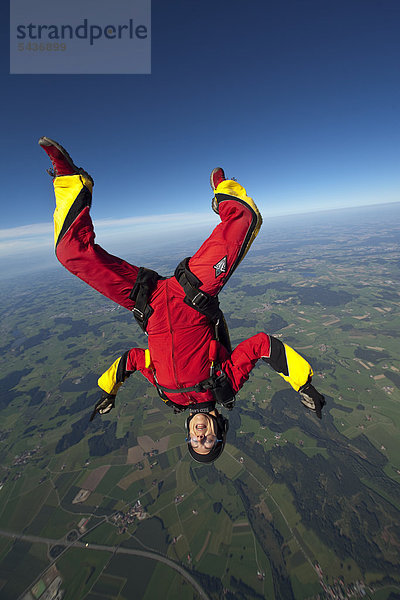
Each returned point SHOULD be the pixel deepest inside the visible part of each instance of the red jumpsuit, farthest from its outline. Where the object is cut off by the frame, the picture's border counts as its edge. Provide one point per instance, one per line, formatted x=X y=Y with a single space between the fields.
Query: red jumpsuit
x=179 y=337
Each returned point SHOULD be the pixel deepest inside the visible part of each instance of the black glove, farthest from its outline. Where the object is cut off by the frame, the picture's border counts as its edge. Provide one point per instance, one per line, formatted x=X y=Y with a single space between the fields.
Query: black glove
x=312 y=399
x=104 y=405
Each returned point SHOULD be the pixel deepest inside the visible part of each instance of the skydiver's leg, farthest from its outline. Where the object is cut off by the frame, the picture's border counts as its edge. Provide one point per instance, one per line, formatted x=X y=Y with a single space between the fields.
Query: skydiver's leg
x=221 y=253
x=74 y=234
x=282 y=358
x=74 y=242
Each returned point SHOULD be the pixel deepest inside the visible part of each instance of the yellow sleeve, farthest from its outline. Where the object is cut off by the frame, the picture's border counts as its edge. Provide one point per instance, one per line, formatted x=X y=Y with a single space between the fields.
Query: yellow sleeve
x=108 y=381
x=298 y=368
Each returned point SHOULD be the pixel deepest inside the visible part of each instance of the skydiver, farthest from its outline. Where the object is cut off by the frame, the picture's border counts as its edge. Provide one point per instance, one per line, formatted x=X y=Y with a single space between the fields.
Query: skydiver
x=189 y=357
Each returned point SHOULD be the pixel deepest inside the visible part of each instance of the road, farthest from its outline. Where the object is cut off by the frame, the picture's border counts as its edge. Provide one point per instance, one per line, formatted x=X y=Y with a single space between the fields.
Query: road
x=114 y=550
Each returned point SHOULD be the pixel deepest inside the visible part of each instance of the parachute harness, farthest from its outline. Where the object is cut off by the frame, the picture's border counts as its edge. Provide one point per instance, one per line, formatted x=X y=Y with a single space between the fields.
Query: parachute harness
x=218 y=382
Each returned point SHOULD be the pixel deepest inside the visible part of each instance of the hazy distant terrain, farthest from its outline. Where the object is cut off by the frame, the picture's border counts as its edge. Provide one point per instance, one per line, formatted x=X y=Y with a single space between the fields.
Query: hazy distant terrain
x=294 y=508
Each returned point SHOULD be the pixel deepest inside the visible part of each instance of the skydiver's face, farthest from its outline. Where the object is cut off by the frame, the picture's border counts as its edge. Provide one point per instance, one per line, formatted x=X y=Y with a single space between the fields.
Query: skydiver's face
x=202 y=431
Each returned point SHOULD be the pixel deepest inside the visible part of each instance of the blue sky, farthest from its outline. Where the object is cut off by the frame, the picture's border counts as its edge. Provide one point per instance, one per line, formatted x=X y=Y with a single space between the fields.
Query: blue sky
x=299 y=100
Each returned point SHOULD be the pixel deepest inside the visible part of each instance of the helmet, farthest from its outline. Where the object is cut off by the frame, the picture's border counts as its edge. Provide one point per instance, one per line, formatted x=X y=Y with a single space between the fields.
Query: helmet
x=221 y=427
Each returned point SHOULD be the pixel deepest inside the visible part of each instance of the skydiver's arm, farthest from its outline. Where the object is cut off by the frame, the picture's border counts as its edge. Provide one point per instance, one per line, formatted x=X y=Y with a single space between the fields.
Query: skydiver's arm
x=112 y=379
x=282 y=358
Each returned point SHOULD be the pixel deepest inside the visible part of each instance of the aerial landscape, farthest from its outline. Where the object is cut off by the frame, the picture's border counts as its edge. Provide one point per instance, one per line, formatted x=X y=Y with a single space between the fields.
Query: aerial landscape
x=299 y=102
x=295 y=507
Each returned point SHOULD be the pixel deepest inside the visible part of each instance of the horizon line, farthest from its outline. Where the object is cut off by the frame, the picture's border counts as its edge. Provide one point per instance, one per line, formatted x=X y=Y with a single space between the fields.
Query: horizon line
x=45 y=227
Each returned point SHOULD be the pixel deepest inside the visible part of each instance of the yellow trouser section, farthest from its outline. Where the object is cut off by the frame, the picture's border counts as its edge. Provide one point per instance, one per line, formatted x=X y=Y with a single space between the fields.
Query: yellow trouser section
x=299 y=369
x=66 y=189
x=107 y=381
x=233 y=188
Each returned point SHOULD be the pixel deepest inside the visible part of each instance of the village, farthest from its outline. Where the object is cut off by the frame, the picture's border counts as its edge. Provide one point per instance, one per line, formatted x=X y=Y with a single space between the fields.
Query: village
x=123 y=519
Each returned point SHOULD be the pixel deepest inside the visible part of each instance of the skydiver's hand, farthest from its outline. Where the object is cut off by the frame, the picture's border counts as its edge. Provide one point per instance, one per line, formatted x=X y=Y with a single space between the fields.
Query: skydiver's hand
x=104 y=405
x=312 y=399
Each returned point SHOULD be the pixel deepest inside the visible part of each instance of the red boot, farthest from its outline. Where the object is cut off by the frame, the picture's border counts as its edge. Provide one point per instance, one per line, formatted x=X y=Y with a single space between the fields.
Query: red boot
x=60 y=159
x=216 y=177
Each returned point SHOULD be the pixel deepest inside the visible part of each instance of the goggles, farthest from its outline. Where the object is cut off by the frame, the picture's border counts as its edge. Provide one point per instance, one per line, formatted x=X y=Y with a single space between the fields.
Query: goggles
x=208 y=441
